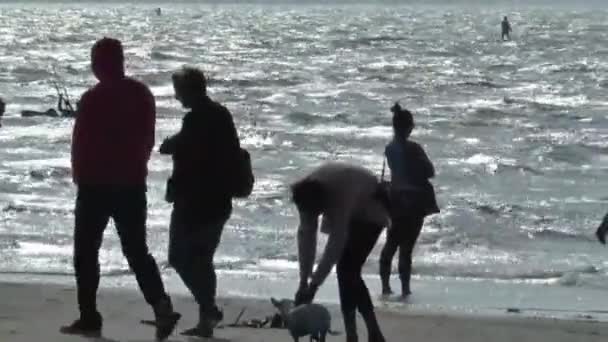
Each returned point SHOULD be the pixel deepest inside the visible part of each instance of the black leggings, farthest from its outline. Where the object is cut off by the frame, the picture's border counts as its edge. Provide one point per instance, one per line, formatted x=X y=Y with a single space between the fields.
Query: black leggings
x=403 y=235
x=354 y=295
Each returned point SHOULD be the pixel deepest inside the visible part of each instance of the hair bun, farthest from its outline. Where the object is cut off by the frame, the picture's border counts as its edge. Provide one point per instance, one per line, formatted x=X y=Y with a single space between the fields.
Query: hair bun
x=396 y=108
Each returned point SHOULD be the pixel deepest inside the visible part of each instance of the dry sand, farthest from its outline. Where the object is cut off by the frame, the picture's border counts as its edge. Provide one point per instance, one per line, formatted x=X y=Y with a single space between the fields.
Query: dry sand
x=34 y=312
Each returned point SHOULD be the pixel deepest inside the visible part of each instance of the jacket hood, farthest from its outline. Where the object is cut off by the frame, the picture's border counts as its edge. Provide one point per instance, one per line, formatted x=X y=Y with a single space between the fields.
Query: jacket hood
x=107 y=59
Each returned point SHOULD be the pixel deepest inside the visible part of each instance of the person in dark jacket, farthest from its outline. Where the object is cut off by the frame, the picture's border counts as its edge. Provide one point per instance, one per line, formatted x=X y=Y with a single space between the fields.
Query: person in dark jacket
x=355 y=211
x=111 y=143
x=204 y=152
x=412 y=198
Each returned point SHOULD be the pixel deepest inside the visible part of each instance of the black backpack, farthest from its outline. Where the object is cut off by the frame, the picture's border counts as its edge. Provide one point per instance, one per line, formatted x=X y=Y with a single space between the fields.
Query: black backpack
x=243 y=175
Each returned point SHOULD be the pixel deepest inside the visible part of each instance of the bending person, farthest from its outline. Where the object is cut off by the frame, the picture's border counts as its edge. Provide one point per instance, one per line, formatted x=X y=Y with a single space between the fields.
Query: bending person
x=354 y=210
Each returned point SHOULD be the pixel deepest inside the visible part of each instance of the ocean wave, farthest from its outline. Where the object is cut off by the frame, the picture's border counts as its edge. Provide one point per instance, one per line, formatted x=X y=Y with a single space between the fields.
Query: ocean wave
x=561 y=235
x=481 y=84
x=260 y=82
x=536 y=105
x=51 y=173
x=104 y=273
x=32 y=209
x=499 y=273
x=367 y=41
x=303 y=118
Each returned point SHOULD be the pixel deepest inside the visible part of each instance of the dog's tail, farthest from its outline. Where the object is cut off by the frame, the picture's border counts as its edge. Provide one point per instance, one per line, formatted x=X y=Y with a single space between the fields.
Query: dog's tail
x=334 y=333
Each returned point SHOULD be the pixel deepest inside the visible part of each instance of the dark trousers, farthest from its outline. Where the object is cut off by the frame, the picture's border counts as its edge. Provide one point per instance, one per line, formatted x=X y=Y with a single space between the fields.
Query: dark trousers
x=193 y=241
x=354 y=294
x=403 y=235
x=127 y=206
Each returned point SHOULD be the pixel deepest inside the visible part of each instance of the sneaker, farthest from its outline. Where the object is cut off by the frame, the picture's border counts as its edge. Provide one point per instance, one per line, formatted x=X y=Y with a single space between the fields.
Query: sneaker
x=202 y=329
x=387 y=291
x=89 y=327
x=215 y=316
x=207 y=322
x=166 y=318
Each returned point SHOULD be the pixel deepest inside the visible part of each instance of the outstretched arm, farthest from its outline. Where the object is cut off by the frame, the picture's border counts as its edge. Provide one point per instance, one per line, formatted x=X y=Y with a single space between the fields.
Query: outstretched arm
x=307 y=245
x=334 y=247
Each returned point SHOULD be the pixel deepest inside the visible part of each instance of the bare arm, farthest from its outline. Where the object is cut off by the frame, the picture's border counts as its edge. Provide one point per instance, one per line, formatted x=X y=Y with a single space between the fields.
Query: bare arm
x=333 y=249
x=426 y=164
x=307 y=245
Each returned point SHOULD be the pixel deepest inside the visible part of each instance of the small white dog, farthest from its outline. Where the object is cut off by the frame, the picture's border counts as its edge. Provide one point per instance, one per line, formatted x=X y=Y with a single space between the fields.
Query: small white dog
x=305 y=319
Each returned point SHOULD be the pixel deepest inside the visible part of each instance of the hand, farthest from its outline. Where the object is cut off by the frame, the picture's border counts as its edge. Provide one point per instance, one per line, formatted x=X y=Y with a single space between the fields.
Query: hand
x=165 y=147
x=305 y=294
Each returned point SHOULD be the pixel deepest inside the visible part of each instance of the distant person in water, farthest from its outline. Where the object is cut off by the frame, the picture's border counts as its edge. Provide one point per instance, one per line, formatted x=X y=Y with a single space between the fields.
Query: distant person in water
x=602 y=230
x=112 y=140
x=354 y=208
x=64 y=110
x=2 y=109
x=158 y=11
x=412 y=199
x=506 y=29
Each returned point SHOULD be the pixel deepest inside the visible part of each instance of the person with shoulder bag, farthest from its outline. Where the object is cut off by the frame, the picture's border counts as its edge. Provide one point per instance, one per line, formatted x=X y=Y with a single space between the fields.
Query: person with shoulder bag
x=411 y=196
x=209 y=169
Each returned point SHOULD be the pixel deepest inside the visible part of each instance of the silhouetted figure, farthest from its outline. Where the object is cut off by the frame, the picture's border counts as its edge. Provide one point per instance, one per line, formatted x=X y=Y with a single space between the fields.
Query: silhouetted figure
x=2 y=109
x=506 y=29
x=602 y=230
x=65 y=107
x=158 y=11
x=111 y=143
x=64 y=110
x=203 y=153
x=412 y=198
x=354 y=209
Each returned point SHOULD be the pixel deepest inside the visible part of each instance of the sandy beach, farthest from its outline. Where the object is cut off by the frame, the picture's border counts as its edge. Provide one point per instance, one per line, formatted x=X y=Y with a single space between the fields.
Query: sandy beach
x=34 y=312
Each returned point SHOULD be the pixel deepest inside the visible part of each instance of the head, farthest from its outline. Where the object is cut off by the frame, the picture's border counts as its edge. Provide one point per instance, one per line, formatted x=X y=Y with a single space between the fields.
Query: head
x=505 y=18
x=107 y=59
x=403 y=122
x=309 y=196
x=190 y=86
x=283 y=305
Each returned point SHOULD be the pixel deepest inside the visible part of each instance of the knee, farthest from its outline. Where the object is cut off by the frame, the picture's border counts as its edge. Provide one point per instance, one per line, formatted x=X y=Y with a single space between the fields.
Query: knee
x=82 y=259
x=346 y=273
x=176 y=259
x=137 y=254
x=385 y=255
